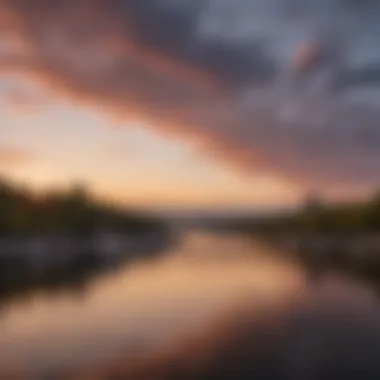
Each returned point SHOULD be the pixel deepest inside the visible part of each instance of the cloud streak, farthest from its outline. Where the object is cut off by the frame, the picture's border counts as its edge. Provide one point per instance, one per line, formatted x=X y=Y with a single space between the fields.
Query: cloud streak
x=287 y=87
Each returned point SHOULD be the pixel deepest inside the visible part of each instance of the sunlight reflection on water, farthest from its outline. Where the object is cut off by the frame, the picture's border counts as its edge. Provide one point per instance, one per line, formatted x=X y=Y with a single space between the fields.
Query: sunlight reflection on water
x=144 y=304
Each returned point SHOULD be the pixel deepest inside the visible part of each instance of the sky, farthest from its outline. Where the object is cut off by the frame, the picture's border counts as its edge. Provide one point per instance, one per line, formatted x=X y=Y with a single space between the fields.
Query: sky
x=192 y=103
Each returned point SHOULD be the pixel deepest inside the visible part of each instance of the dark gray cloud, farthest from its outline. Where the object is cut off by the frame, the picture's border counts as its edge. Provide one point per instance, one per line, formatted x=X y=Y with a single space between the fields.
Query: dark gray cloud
x=288 y=86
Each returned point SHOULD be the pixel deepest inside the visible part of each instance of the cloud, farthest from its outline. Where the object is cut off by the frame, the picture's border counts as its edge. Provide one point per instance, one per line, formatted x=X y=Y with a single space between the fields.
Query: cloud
x=289 y=87
x=22 y=101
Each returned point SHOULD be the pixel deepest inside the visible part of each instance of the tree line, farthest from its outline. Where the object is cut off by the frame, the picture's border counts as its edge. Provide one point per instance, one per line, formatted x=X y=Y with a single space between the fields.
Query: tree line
x=317 y=217
x=74 y=211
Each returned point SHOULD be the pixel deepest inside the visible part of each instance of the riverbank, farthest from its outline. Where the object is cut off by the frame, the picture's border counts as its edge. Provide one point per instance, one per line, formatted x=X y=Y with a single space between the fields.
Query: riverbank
x=61 y=261
x=59 y=248
x=55 y=228
x=356 y=253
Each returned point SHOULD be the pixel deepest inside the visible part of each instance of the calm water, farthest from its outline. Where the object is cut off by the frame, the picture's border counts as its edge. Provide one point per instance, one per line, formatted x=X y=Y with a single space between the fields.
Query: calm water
x=142 y=305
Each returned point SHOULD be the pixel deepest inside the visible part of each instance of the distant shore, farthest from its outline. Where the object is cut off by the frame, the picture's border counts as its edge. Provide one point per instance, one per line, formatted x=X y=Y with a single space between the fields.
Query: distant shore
x=357 y=253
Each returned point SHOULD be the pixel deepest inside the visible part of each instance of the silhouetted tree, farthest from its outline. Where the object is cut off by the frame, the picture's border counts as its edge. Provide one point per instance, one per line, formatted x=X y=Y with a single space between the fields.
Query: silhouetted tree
x=73 y=211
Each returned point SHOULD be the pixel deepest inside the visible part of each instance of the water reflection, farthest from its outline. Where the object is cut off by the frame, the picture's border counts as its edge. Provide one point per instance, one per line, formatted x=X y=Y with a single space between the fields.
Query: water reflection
x=327 y=332
x=22 y=279
x=142 y=306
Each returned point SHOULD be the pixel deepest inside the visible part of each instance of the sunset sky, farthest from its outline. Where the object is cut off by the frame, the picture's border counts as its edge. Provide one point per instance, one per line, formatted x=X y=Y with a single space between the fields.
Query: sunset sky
x=192 y=103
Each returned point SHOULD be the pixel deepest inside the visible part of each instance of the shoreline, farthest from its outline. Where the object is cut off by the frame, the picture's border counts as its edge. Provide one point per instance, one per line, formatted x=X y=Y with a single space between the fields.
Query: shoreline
x=45 y=252
x=356 y=253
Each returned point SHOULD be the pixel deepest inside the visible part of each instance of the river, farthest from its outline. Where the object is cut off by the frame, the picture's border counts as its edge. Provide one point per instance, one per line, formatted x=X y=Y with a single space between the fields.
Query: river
x=143 y=304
